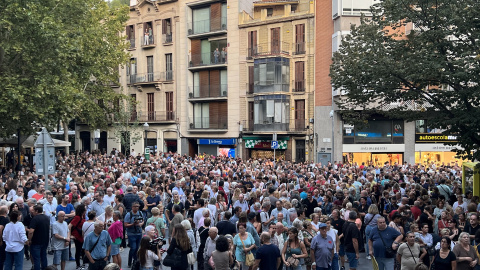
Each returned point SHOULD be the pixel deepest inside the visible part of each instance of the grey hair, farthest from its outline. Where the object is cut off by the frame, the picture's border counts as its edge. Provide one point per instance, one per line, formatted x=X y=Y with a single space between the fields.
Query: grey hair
x=213 y=201
x=98 y=223
x=266 y=204
x=205 y=211
x=175 y=192
x=298 y=224
x=84 y=199
x=317 y=210
x=32 y=200
x=186 y=224
x=118 y=214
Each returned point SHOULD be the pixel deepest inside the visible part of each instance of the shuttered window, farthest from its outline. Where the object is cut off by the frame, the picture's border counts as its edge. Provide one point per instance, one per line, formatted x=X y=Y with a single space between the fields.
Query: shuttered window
x=299 y=76
x=275 y=40
x=150 y=106
x=300 y=39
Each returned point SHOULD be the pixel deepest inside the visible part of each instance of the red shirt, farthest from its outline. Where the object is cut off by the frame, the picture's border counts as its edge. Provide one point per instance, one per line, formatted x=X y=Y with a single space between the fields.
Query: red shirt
x=37 y=196
x=416 y=212
x=77 y=223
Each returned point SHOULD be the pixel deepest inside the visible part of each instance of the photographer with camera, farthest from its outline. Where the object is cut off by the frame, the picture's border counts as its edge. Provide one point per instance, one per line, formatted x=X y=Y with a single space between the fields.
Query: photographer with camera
x=146 y=255
x=133 y=224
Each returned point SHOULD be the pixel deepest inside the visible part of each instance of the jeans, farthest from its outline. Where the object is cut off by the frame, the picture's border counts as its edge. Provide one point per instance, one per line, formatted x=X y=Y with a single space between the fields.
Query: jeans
x=385 y=263
x=368 y=229
x=14 y=258
x=3 y=255
x=334 y=265
x=323 y=268
x=134 y=242
x=39 y=255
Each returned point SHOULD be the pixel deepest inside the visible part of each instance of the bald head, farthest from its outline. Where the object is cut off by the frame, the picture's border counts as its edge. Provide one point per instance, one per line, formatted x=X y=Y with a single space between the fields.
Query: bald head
x=265 y=237
x=280 y=227
x=3 y=210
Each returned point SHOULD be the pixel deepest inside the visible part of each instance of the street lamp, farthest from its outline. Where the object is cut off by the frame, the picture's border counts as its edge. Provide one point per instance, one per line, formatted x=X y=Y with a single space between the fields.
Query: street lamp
x=147 y=150
x=145 y=128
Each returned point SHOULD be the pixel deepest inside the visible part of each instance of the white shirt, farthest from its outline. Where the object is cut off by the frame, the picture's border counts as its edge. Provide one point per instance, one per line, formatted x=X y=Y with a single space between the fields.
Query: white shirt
x=109 y=199
x=333 y=233
x=14 y=236
x=31 y=193
x=243 y=205
x=48 y=209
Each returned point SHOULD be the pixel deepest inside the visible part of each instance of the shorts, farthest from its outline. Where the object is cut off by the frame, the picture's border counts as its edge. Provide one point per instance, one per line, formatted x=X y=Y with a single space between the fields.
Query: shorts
x=60 y=255
x=341 y=250
x=352 y=260
x=115 y=250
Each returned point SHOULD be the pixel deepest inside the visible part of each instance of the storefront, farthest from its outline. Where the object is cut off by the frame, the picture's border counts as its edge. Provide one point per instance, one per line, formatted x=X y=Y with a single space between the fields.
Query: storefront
x=262 y=148
x=377 y=154
x=218 y=147
x=430 y=147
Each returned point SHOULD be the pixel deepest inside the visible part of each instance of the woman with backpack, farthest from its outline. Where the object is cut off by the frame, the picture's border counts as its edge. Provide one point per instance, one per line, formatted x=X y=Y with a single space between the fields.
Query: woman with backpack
x=75 y=228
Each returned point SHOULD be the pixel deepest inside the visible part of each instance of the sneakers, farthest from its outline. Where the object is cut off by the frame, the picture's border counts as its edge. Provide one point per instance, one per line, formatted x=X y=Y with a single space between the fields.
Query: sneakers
x=368 y=257
x=50 y=252
x=342 y=268
x=71 y=259
x=121 y=249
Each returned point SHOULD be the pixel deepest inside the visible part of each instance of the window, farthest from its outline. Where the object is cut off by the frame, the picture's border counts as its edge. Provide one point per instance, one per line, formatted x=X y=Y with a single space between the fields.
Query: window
x=269 y=12
x=299 y=76
x=147 y=38
x=130 y=31
x=300 y=39
x=377 y=131
x=293 y=8
x=271 y=112
x=252 y=43
x=201 y=115
x=167 y=30
x=357 y=7
x=271 y=75
x=150 y=76
x=169 y=107
x=133 y=107
x=150 y=107
x=299 y=115
x=251 y=79
x=168 y=67
x=132 y=71
x=201 y=20
x=275 y=40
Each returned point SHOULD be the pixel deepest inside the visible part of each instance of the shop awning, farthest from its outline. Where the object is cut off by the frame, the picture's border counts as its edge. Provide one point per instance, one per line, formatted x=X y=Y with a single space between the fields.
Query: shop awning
x=29 y=141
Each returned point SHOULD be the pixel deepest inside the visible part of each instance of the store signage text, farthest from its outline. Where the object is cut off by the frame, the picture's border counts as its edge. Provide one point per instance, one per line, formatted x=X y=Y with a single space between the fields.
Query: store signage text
x=431 y=138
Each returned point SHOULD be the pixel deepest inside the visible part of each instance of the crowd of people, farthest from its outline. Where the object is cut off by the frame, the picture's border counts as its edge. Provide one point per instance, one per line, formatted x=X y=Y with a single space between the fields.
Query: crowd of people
x=213 y=212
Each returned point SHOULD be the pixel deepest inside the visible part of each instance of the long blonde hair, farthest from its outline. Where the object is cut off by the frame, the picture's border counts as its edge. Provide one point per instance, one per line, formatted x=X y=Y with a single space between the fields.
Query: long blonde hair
x=181 y=237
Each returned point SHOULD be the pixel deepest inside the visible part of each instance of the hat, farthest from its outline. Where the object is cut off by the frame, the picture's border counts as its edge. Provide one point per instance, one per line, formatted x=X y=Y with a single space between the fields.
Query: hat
x=322 y=225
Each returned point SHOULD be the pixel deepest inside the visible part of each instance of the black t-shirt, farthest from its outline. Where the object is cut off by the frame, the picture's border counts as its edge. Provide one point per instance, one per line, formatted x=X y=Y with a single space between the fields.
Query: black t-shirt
x=41 y=225
x=310 y=206
x=350 y=231
x=468 y=228
x=424 y=219
x=444 y=264
x=226 y=227
x=170 y=206
x=197 y=194
x=338 y=225
x=4 y=221
x=268 y=255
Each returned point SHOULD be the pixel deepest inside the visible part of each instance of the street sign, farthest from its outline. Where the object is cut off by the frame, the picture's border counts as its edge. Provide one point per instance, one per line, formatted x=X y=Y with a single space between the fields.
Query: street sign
x=44 y=154
x=147 y=153
x=274 y=144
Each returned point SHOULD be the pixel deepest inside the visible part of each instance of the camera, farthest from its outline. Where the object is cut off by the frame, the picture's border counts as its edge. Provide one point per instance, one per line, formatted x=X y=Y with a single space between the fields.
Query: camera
x=154 y=243
x=138 y=219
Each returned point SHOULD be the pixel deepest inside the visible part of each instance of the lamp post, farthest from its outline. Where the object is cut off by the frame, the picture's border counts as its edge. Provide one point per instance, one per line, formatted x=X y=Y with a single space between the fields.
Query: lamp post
x=147 y=150
x=96 y=135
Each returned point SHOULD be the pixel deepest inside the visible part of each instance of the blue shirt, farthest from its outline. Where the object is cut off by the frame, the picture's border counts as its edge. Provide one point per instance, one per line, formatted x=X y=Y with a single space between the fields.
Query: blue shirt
x=100 y=250
x=129 y=218
x=389 y=235
x=67 y=209
x=155 y=200
x=268 y=255
x=322 y=248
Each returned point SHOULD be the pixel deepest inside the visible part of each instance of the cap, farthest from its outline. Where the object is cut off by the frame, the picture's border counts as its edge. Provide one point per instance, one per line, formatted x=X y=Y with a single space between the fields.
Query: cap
x=322 y=225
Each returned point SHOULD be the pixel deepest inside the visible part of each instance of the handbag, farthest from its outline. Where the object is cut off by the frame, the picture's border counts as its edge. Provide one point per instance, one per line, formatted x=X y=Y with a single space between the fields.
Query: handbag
x=249 y=259
x=389 y=251
x=211 y=262
x=291 y=260
x=191 y=258
x=173 y=260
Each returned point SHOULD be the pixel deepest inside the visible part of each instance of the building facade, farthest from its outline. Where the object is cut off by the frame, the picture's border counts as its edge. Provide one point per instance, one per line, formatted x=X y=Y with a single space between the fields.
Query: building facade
x=150 y=79
x=277 y=79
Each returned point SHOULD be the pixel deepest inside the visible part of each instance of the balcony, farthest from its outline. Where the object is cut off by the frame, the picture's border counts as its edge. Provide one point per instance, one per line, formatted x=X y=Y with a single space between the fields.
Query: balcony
x=148 y=42
x=207 y=59
x=208 y=91
x=148 y=78
x=299 y=86
x=153 y=116
x=132 y=43
x=249 y=126
x=205 y=123
x=299 y=125
x=167 y=38
x=269 y=87
x=213 y=25
x=299 y=48
x=268 y=49
x=269 y=126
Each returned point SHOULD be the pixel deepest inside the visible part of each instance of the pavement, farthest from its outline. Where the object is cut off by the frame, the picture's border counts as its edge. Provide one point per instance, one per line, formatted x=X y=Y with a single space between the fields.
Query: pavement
x=363 y=264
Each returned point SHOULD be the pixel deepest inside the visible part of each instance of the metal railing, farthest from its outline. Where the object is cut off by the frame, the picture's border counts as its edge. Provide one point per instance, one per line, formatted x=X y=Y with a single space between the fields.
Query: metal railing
x=208 y=91
x=215 y=122
x=299 y=48
x=132 y=43
x=206 y=59
x=271 y=49
x=299 y=125
x=167 y=38
x=150 y=77
x=148 y=41
x=269 y=86
x=206 y=26
x=299 y=86
x=153 y=116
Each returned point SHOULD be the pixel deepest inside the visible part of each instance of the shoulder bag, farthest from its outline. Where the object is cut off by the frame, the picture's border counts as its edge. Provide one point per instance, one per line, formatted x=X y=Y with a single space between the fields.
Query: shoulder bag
x=291 y=260
x=415 y=261
x=249 y=259
x=173 y=260
x=389 y=252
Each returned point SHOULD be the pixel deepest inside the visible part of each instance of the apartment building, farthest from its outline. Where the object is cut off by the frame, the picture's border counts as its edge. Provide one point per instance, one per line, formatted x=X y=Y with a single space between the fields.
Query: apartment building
x=385 y=139
x=149 y=78
x=208 y=86
x=277 y=79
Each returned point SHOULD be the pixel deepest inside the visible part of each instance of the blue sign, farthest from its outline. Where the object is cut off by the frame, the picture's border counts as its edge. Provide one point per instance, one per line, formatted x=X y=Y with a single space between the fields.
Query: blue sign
x=218 y=141
x=274 y=144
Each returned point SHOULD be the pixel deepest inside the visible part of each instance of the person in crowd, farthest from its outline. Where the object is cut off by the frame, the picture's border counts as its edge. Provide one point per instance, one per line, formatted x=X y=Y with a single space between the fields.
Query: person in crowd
x=61 y=240
x=3 y=222
x=380 y=238
x=409 y=254
x=308 y=234
x=146 y=256
x=370 y=222
x=116 y=234
x=222 y=255
x=268 y=255
x=322 y=249
x=177 y=218
x=351 y=235
x=244 y=244
x=180 y=241
x=210 y=247
x=158 y=221
x=88 y=224
x=202 y=235
x=133 y=223
x=465 y=253
x=99 y=205
x=293 y=251
x=225 y=226
x=15 y=238
x=39 y=238
x=444 y=258
x=97 y=246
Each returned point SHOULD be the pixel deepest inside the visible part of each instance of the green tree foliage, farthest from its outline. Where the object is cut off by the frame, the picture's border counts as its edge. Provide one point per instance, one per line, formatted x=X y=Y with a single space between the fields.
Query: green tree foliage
x=431 y=72
x=118 y=3
x=57 y=62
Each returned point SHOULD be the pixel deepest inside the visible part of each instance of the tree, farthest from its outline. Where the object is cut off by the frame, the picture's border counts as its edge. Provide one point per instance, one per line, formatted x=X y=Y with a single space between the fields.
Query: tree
x=125 y=125
x=430 y=72
x=57 y=62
